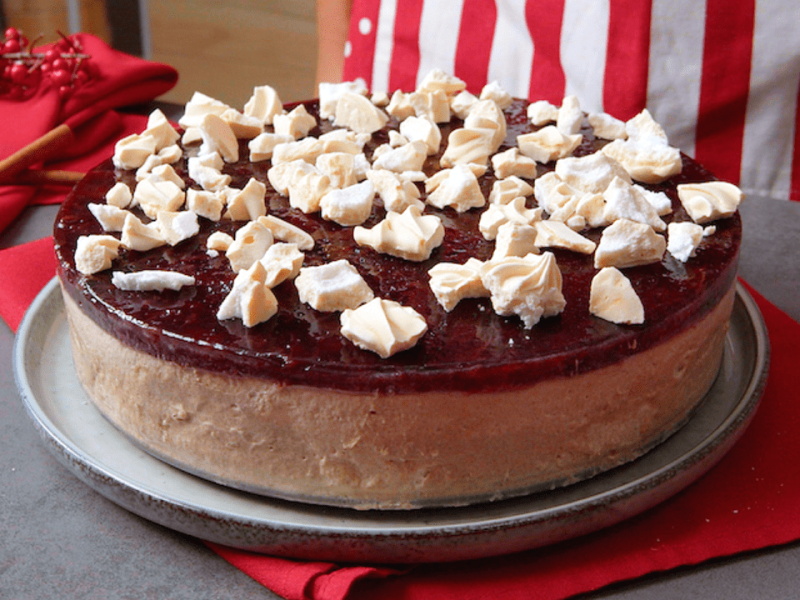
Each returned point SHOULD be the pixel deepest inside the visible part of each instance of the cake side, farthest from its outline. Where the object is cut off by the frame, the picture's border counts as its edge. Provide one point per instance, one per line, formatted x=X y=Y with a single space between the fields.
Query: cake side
x=367 y=450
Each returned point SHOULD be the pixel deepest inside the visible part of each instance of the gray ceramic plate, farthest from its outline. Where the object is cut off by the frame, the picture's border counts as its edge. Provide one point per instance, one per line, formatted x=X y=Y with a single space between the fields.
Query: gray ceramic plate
x=106 y=460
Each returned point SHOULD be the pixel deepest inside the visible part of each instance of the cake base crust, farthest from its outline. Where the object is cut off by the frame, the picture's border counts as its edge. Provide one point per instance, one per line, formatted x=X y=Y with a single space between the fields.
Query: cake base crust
x=398 y=451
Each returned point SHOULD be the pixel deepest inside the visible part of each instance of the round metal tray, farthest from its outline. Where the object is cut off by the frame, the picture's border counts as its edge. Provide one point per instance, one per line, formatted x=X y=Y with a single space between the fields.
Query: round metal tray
x=102 y=457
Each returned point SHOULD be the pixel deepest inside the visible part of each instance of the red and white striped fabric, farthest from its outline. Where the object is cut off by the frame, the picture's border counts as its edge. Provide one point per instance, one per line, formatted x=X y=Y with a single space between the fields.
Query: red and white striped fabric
x=722 y=77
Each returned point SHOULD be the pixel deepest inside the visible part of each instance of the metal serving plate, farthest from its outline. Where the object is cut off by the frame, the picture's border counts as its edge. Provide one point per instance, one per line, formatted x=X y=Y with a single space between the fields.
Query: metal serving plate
x=102 y=457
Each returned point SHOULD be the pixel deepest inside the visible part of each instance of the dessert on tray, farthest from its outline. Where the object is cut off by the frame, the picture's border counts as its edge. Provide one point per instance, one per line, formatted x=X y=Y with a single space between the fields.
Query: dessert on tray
x=428 y=299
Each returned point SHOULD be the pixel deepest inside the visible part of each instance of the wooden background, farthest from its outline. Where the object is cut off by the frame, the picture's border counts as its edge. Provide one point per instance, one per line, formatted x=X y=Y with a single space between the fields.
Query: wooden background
x=221 y=48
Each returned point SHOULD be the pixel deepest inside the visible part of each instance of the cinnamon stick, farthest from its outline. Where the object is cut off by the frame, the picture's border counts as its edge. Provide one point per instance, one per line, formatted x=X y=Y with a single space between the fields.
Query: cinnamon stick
x=36 y=152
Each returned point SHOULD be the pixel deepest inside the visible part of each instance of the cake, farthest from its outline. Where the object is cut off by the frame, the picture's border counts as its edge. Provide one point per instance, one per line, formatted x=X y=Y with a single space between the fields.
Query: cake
x=545 y=327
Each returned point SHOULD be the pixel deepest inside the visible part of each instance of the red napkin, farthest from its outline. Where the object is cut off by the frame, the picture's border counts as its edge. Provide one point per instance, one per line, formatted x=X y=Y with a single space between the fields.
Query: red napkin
x=118 y=80
x=750 y=500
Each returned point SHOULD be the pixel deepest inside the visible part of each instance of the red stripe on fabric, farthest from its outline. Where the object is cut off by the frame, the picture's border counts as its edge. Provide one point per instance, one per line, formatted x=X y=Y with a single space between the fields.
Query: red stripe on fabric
x=475 y=36
x=405 y=53
x=544 y=19
x=724 y=86
x=627 y=58
x=362 y=46
x=794 y=193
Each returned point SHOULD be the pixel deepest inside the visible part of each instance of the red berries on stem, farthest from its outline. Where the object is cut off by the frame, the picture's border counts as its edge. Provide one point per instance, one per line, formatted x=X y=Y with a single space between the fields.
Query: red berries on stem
x=63 y=66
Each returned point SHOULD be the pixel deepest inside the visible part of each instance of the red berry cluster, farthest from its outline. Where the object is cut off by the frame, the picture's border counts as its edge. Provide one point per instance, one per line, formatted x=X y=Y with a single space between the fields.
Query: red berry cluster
x=22 y=70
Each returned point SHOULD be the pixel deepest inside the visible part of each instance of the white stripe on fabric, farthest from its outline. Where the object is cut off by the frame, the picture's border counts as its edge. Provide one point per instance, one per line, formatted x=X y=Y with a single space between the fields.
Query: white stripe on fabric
x=511 y=59
x=676 y=67
x=439 y=28
x=772 y=104
x=584 y=39
x=384 y=46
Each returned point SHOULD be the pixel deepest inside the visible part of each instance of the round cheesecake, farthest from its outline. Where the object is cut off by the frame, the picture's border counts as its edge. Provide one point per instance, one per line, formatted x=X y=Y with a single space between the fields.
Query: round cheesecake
x=481 y=408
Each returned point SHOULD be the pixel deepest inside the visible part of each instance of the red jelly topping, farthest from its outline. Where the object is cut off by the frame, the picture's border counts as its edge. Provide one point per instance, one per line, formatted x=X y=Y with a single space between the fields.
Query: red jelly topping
x=469 y=349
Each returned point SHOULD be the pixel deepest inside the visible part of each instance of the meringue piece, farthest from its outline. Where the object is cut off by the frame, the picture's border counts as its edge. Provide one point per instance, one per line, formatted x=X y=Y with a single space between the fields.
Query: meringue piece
x=264 y=104
x=248 y=203
x=710 y=201
x=424 y=130
x=505 y=190
x=170 y=154
x=409 y=157
x=150 y=281
x=339 y=167
x=547 y=144
x=515 y=239
x=329 y=94
x=624 y=201
x=468 y=146
x=358 y=114
x=249 y=299
x=408 y=235
x=397 y=193
x=119 y=195
x=286 y=232
x=553 y=194
x=647 y=160
x=166 y=172
x=400 y=106
x=613 y=298
x=198 y=107
x=485 y=114
x=219 y=240
x=528 y=286
x=204 y=204
x=155 y=196
x=332 y=287
x=282 y=175
x=607 y=127
x=556 y=234
x=627 y=243
x=459 y=190
x=308 y=149
x=542 y=112
x=297 y=123
x=659 y=200
x=570 y=116
x=244 y=127
x=218 y=137
x=591 y=208
x=111 y=218
x=349 y=206
x=250 y=243
x=435 y=180
x=138 y=236
x=383 y=326
x=511 y=163
x=281 y=261
x=207 y=177
x=494 y=91
x=462 y=103
x=306 y=191
x=262 y=146
x=644 y=126
x=191 y=136
x=591 y=173
x=683 y=239
x=161 y=130
x=176 y=227
x=95 y=253
x=132 y=151
x=451 y=282
x=380 y=99
x=344 y=140
x=515 y=211
x=439 y=80
x=433 y=105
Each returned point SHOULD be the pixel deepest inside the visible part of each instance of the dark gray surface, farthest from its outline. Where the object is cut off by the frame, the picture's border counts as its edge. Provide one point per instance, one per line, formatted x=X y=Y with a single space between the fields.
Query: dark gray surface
x=59 y=539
